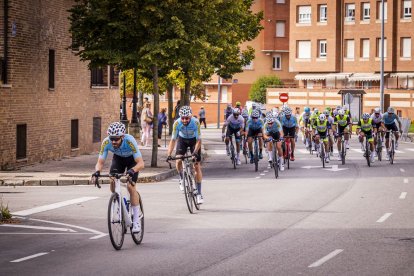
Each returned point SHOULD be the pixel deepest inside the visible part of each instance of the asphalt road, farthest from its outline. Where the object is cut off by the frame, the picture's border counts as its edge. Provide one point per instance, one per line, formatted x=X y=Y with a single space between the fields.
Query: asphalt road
x=342 y=220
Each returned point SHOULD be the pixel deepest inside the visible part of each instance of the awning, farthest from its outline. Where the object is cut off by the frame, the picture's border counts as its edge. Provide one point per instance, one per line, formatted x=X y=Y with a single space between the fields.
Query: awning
x=338 y=76
x=310 y=77
x=366 y=77
x=402 y=75
x=352 y=91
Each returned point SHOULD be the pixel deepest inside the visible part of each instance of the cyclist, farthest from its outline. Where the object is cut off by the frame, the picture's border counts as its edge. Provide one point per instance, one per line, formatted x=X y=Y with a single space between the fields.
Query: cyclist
x=321 y=128
x=304 y=122
x=254 y=127
x=238 y=105
x=228 y=111
x=388 y=120
x=126 y=156
x=377 y=120
x=235 y=125
x=335 y=111
x=273 y=130
x=331 y=121
x=187 y=134
x=341 y=126
x=364 y=129
x=290 y=128
x=254 y=107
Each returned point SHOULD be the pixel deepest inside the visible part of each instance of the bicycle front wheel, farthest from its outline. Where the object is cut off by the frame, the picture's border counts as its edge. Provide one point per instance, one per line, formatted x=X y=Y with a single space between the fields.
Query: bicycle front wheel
x=322 y=155
x=233 y=155
x=367 y=153
x=137 y=237
x=275 y=161
x=256 y=156
x=116 y=223
x=343 y=152
x=392 y=152
x=188 y=193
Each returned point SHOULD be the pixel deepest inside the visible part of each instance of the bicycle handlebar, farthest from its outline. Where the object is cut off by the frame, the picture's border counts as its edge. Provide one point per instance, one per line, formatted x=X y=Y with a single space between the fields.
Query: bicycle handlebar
x=178 y=158
x=116 y=175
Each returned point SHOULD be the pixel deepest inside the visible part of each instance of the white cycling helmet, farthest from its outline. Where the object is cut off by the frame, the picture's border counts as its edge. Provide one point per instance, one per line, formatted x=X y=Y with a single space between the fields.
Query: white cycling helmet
x=322 y=117
x=390 y=110
x=341 y=112
x=345 y=107
x=316 y=110
x=236 y=111
x=185 y=111
x=116 y=129
x=366 y=116
x=269 y=114
x=326 y=112
x=377 y=110
x=254 y=105
x=255 y=114
x=270 y=119
x=288 y=112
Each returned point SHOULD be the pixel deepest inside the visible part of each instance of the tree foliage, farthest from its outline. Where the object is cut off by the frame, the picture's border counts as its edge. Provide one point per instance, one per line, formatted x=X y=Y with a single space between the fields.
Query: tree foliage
x=258 y=90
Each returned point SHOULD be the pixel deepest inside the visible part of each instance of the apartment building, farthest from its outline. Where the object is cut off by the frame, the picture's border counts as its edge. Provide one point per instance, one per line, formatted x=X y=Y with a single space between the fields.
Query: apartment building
x=51 y=104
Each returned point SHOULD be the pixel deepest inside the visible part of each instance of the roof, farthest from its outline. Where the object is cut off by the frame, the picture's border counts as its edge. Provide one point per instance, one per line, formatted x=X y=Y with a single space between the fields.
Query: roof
x=315 y=76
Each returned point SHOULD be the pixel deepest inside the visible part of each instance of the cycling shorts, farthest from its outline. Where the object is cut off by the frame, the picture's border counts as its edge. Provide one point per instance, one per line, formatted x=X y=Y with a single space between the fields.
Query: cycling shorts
x=323 y=135
x=377 y=125
x=392 y=127
x=289 y=131
x=183 y=144
x=121 y=164
x=236 y=131
x=341 y=129
x=274 y=135
x=254 y=132
x=368 y=135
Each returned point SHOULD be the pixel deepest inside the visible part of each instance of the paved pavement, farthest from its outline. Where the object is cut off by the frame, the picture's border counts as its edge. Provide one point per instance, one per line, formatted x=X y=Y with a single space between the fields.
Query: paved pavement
x=342 y=220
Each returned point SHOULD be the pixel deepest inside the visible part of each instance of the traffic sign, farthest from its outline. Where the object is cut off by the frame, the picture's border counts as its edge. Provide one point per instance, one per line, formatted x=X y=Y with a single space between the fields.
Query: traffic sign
x=348 y=98
x=284 y=97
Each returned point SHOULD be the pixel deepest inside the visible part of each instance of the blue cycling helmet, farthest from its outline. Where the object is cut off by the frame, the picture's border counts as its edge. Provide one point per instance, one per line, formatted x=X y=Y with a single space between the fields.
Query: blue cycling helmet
x=307 y=110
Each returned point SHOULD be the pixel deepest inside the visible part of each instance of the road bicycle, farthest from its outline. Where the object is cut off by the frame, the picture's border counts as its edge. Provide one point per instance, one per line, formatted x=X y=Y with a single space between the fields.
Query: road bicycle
x=287 y=150
x=342 y=150
x=367 y=151
x=391 y=149
x=190 y=191
x=120 y=214
x=245 y=148
x=275 y=157
x=320 y=151
x=256 y=153
x=232 y=152
x=378 y=144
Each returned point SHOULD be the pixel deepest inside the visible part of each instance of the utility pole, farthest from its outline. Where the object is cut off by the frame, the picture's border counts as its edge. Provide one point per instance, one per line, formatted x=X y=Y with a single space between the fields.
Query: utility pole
x=382 y=58
x=218 y=101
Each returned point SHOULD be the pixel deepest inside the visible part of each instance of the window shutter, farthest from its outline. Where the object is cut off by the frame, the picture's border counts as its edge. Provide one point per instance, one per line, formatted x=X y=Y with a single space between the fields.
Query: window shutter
x=406 y=44
x=304 y=49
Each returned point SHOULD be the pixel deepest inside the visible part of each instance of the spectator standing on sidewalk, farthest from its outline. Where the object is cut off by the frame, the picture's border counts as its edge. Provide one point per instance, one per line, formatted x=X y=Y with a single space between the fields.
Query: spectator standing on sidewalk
x=146 y=122
x=202 y=115
x=162 y=121
x=177 y=110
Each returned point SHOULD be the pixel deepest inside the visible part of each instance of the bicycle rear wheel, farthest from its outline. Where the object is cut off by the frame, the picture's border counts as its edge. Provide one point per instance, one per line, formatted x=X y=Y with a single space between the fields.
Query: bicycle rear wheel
x=392 y=152
x=116 y=223
x=256 y=156
x=192 y=181
x=322 y=154
x=233 y=155
x=137 y=237
x=288 y=155
x=343 y=152
x=275 y=162
x=367 y=152
x=188 y=193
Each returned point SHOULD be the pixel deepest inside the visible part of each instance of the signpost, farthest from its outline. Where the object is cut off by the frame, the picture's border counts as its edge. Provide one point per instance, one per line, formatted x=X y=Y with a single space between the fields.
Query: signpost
x=284 y=97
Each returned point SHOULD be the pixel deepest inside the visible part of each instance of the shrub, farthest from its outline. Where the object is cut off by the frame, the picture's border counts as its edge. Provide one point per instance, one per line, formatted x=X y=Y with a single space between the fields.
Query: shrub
x=258 y=90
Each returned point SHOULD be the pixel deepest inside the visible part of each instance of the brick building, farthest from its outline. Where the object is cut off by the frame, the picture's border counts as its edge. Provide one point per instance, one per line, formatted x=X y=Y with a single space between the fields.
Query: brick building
x=51 y=104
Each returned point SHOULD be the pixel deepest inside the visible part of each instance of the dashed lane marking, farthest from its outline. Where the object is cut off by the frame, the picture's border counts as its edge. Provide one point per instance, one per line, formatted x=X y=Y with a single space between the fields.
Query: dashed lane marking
x=29 y=257
x=405 y=180
x=38 y=227
x=384 y=217
x=402 y=170
x=326 y=258
x=403 y=195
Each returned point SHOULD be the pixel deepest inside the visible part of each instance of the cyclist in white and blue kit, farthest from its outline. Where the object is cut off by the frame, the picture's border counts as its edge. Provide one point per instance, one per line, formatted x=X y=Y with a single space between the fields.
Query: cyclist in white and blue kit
x=126 y=157
x=254 y=127
x=235 y=125
x=388 y=119
x=273 y=131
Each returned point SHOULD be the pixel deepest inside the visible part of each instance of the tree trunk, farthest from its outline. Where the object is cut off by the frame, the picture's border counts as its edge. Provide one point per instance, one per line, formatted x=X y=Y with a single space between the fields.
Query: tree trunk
x=170 y=97
x=154 y=158
x=187 y=92
x=182 y=97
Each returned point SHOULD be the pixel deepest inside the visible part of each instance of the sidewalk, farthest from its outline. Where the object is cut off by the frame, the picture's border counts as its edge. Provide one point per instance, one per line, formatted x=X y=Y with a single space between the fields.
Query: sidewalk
x=78 y=170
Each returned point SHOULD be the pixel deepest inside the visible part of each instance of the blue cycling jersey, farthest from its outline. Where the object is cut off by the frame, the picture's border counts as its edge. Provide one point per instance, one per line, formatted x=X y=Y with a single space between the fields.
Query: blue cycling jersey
x=129 y=147
x=274 y=128
x=289 y=123
x=389 y=119
x=190 y=131
x=254 y=124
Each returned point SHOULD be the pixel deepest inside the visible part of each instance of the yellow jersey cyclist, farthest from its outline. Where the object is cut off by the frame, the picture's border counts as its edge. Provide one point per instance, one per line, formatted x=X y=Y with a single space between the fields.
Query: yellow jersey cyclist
x=186 y=134
x=126 y=156
x=321 y=128
x=331 y=121
x=341 y=128
x=272 y=130
x=364 y=130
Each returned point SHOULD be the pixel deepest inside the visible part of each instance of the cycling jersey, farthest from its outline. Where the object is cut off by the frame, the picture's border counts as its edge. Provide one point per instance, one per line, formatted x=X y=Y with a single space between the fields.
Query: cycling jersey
x=389 y=119
x=192 y=130
x=343 y=122
x=275 y=127
x=289 y=123
x=129 y=147
x=254 y=125
x=365 y=126
x=305 y=118
x=376 y=119
x=235 y=123
x=321 y=127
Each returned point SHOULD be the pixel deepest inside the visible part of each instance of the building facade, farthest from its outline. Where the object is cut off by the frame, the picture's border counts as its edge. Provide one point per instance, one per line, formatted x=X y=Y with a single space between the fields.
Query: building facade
x=51 y=104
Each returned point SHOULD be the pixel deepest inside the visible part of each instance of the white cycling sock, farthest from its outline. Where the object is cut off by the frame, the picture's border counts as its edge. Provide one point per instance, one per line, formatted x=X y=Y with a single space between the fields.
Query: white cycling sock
x=137 y=213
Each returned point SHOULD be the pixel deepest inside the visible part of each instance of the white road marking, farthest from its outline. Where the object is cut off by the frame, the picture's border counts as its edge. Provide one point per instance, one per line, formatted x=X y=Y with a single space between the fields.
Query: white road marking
x=220 y=152
x=398 y=151
x=358 y=150
x=405 y=180
x=326 y=258
x=311 y=167
x=335 y=168
x=410 y=149
x=99 y=236
x=402 y=170
x=29 y=257
x=53 y=206
x=265 y=171
x=262 y=174
x=303 y=151
x=403 y=195
x=39 y=227
x=257 y=176
x=384 y=217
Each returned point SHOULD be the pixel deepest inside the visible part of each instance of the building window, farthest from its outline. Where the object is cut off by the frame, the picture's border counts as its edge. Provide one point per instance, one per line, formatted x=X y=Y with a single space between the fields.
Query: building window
x=97 y=77
x=350 y=12
x=323 y=13
x=365 y=48
x=51 y=69
x=304 y=14
x=322 y=48
x=406 y=47
x=248 y=66
x=280 y=29
x=406 y=12
x=21 y=141
x=379 y=10
x=350 y=48
x=304 y=49
x=366 y=11
x=379 y=47
x=280 y=2
x=74 y=133
x=96 y=130
x=277 y=62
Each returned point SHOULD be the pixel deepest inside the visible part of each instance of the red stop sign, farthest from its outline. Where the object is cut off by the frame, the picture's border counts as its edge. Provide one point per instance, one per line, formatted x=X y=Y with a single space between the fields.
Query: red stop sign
x=284 y=97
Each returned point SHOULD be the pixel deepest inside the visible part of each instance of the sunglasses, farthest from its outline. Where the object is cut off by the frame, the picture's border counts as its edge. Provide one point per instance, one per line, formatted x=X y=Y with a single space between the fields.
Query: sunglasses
x=114 y=139
x=185 y=118
x=255 y=118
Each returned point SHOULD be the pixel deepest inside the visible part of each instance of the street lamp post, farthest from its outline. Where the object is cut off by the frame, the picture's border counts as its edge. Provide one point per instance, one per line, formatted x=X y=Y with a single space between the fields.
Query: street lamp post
x=218 y=101
x=382 y=58
x=134 y=118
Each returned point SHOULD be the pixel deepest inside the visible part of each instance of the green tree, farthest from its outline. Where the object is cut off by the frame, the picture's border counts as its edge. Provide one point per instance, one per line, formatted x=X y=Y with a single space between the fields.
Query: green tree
x=257 y=92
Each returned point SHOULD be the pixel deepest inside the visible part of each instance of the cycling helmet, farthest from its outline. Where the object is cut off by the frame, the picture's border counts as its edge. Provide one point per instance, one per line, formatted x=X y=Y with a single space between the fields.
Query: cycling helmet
x=390 y=110
x=236 y=111
x=245 y=113
x=366 y=116
x=326 y=112
x=307 y=110
x=270 y=119
x=254 y=105
x=316 y=111
x=255 y=114
x=269 y=114
x=116 y=129
x=328 y=108
x=345 y=107
x=377 y=110
x=288 y=112
x=185 y=111
x=338 y=107
x=341 y=112
x=238 y=103
x=322 y=117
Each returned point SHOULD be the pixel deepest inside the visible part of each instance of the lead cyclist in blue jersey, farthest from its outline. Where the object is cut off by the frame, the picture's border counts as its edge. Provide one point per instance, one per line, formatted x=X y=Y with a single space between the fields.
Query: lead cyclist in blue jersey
x=126 y=157
x=388 y=119
x=254 y=127
x=187 y=134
